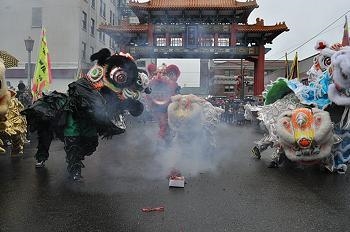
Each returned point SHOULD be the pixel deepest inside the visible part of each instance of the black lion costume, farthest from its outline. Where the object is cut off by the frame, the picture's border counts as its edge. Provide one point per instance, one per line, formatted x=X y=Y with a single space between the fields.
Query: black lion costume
x=92 y=107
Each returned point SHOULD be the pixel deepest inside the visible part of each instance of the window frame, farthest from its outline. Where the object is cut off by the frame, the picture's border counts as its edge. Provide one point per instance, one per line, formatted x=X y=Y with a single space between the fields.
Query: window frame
x=84 y=21
x=92 y=26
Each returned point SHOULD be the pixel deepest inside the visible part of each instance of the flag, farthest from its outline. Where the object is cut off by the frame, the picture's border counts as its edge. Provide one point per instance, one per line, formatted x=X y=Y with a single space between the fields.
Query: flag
x=294 y=70
x=42 y=73
x=286 y=75
x=346 y=41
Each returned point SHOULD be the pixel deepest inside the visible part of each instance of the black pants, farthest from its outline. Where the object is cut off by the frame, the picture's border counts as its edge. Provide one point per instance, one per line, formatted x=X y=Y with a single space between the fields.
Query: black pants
x=45 y=136
x=76 y=148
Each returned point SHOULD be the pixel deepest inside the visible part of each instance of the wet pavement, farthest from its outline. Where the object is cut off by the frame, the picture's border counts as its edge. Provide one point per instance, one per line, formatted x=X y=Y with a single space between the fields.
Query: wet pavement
x=229 y=191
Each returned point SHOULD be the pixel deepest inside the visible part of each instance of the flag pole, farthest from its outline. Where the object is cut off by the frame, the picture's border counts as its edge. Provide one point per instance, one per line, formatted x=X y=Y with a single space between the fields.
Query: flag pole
x=287 y=66
x=346 y=40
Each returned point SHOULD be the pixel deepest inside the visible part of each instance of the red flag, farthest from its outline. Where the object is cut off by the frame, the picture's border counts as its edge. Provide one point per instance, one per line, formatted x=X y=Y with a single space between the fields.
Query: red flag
x=346 y=41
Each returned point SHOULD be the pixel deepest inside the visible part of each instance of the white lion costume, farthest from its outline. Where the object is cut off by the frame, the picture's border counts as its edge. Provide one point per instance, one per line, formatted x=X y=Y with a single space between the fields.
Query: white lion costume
x=191 y=117
x=304 y=134
x=339 y=93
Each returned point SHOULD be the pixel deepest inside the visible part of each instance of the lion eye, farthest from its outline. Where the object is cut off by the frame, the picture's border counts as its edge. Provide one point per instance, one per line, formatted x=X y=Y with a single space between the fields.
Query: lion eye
x=327 y=61
x=118 y=75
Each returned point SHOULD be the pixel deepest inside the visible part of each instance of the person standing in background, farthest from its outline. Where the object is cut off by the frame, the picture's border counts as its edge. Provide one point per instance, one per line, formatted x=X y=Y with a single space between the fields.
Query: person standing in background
x=23 y=95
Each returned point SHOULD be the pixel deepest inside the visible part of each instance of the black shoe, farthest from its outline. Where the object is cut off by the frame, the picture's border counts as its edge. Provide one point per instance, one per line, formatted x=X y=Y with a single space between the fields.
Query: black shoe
x=256 y=152
x=40 y=164
x=273 y=164
x=77 y=176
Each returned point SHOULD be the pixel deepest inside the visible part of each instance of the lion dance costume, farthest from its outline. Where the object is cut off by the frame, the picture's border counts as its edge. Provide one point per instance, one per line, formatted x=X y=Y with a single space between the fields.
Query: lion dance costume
x=309 y=124
x=92 y=107
x=13 y=125
x=163 y=82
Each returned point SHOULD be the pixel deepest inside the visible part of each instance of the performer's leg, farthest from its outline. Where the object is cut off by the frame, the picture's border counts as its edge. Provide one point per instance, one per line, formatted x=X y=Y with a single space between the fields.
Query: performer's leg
x=164 y=131
x=74 y=157
x=261 y=146
x=45 y=136
x=277 y=157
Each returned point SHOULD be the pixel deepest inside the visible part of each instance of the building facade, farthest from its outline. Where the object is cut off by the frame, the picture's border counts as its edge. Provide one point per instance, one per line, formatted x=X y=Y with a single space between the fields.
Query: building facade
x=71 y=30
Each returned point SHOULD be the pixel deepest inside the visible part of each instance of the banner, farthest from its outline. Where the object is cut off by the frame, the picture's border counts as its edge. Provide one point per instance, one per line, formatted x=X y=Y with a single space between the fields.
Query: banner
x=42 y=74
x=294 y=70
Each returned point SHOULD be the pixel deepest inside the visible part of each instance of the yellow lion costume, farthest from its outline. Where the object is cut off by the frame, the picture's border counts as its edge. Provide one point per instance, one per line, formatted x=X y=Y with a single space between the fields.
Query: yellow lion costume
x=13 y=126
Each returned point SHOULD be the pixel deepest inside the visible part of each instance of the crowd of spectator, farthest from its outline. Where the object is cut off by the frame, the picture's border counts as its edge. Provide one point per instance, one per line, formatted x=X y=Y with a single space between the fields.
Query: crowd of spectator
x=235 y=111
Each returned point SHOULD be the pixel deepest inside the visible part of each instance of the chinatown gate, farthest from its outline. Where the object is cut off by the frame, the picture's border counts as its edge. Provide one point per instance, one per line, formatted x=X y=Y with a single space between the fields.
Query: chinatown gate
x=203 y=29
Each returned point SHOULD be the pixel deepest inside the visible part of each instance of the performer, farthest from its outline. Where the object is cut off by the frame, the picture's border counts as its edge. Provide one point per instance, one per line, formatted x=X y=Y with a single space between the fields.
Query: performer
x=163 y=82
x=93 y=107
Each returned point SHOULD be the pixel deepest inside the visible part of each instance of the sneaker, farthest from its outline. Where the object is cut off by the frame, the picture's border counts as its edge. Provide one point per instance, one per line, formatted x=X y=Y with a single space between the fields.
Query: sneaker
x=77 y=176
x=40 y=164
x=256 y=152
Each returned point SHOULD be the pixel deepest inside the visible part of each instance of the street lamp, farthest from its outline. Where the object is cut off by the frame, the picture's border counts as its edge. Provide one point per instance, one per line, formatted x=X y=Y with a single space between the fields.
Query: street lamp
x=29 y=42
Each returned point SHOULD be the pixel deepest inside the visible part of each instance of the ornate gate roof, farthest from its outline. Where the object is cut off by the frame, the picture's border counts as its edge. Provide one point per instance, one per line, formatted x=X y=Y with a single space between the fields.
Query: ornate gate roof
x=193 y=4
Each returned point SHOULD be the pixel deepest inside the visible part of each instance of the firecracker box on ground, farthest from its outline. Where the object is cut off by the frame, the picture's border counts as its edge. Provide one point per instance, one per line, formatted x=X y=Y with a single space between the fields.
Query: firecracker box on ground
x=177 y=181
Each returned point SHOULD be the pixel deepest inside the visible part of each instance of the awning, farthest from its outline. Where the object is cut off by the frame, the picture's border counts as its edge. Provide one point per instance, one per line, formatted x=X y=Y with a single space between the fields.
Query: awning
x=9 y=60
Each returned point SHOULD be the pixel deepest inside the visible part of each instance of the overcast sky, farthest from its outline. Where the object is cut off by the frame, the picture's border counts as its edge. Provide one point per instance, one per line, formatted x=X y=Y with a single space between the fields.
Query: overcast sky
x=305 y=19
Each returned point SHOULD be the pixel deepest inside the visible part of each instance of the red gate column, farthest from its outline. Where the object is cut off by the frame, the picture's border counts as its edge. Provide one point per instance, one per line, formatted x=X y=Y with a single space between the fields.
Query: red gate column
x=259 y=70
x=233 y=39
x=150 y=34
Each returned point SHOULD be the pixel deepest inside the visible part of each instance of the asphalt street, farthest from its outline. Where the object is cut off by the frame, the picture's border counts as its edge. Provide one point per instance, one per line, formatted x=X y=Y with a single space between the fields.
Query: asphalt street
x=226 y=190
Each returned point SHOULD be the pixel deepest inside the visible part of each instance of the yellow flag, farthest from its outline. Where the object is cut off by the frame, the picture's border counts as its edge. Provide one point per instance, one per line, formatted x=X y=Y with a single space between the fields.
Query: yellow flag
x=42 y=73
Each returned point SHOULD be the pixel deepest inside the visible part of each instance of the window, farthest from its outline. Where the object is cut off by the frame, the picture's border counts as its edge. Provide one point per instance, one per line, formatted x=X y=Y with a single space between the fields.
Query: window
x=93 y=4
x=36 y=17
x=113 y=19
x=101 y=36
x=111 y=43
x=110 y=17
x=83 y=51
x=102 y=9
x=207 y=41
x=92 y=50
x=161 y=42
x=176 y=41
x=92 y=27
x=223 y=42
x=84 y=20
x=229 y=88
x=229 y=72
